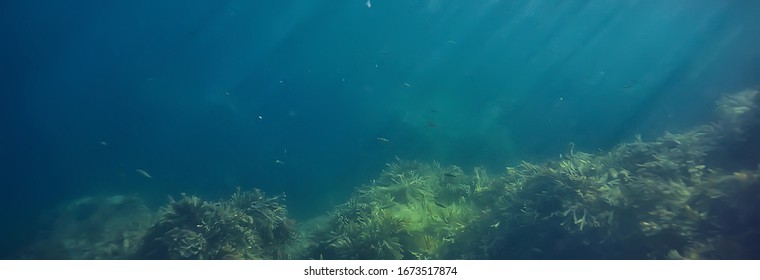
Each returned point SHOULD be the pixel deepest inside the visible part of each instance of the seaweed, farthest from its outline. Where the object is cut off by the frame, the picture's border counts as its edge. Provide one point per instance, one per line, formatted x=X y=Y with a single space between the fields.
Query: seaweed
x=656 y=199
x=682 y=195
x=248 y=226
x=414 y=211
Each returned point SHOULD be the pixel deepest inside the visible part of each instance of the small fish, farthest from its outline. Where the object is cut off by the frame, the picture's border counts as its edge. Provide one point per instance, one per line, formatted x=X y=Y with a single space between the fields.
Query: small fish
x=369 y=4
x=433 y=110
x=439 y=204
x=407 y=84
x=496 y=224
x=279 y=162
x=381 y=139
x=103 y=143
x=143 y=173
x=447 y=174
x=431 y=124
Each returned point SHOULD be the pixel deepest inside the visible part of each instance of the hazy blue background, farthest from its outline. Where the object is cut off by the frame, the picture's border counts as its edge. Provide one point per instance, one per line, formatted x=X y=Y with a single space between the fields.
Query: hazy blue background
x=176 y=88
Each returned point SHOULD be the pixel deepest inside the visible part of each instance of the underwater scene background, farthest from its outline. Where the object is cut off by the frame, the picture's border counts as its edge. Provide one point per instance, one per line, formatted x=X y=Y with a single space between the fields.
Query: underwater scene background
x=390 y=129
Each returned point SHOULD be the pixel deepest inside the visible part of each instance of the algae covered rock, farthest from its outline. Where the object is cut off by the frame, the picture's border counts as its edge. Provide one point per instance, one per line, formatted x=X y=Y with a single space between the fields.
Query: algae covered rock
x=102 y=227
x=413 y=211
x=248 y=226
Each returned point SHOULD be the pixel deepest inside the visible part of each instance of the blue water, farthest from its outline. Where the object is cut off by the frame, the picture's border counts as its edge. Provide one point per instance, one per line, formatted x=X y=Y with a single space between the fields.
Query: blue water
x=291 y=96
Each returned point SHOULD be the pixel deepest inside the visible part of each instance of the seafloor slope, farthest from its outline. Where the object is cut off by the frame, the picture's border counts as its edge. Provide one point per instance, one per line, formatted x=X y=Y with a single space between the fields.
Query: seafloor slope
x=693 y=195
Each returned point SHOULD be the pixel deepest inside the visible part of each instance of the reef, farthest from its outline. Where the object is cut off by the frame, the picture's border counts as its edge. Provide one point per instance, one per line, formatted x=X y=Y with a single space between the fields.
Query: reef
x=658 y=199
x=686 y=195
x=414 y=211
x=92 y=228
x=249 y=225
